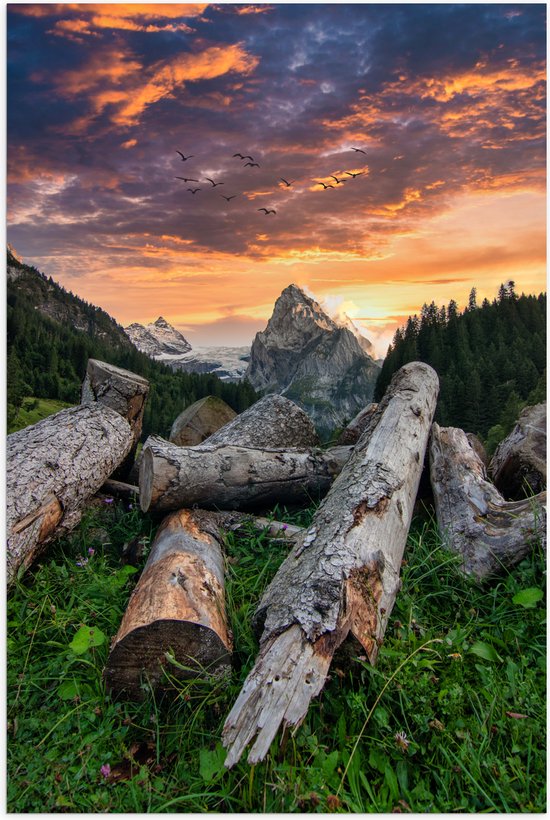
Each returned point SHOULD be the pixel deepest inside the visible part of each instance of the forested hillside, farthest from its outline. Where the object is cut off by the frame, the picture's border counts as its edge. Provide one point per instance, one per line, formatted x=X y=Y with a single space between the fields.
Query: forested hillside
x=47 y=356
x=491 y=359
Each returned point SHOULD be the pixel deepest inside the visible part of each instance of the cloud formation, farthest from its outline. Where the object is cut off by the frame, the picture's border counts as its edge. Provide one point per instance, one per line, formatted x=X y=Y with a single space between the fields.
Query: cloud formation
x=401 y=111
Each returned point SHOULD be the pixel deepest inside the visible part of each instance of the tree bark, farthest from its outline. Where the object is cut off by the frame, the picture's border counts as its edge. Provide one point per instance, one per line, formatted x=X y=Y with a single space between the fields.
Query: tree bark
x=475 y=521
x=177 y=610
x=357 y=426
x=53 y=468
x=519 y=462
x=343 y=573
x=128 y=492
x=121 y=390
x=232 y=477
x=200 y=420
x=273 y=421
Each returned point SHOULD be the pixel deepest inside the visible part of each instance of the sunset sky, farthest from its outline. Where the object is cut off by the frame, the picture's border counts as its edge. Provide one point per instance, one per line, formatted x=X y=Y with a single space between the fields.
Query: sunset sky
x=446 y=101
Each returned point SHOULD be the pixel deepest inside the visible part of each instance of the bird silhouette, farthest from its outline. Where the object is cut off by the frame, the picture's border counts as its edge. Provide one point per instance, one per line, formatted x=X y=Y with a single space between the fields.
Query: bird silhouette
x=183 y=157
x=358 y=174
x=267 y=211
x=185 y=179
x=193 y=190
x=213 y=183
x=288 y=184
x=359 y=150
x=228 y=198
x=325 y=186
x=335 y=179
x=247 y=157
x=252 y=164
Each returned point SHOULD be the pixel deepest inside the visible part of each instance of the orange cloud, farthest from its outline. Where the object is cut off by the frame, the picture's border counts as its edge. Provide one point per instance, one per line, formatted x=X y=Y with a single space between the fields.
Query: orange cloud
x=253 y=9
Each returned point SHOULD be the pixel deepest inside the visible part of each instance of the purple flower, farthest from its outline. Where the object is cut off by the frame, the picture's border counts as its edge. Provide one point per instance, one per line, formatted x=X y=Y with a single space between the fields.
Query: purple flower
x=108 y=500
x=284 y=527
x=130 y=506
x=91 y=551
x=81 y=562
x=105 y=770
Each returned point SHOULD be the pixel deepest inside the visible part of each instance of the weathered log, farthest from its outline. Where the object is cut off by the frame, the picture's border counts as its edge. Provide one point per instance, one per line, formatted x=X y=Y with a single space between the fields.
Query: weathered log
x=519 y=463
x=121 y=390
x=53 y=468
x=475 y=521
x=479 y=448
x=357 y=426
x=175 y=619
x=119 y=488
x=343 y=573
x=200 y=420
x=273 y=421
x=232 y=477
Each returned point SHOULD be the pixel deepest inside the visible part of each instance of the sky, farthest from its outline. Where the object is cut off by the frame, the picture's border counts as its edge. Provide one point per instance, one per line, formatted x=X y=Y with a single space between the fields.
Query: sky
x=428 y=121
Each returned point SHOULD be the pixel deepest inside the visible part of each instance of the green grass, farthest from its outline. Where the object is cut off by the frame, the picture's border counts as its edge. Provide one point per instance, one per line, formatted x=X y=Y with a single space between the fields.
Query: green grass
x=452 y=718
x=33 y=410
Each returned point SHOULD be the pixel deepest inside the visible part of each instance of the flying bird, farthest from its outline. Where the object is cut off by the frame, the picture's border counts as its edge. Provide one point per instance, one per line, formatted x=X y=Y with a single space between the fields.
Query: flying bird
x=185 y=179
x=228 y=198
x=241 y=157
x=183 y=157
x=213 y=183
x=193 y=190
x=267 y=211
x=288 y=184
x=325 y=186
x=336 y=180
x=252 y=164
x=360 y=150
x=358 y=174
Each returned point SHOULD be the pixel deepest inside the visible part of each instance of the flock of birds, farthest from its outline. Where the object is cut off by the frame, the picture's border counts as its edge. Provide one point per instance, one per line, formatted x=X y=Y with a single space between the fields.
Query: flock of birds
x=251 y=163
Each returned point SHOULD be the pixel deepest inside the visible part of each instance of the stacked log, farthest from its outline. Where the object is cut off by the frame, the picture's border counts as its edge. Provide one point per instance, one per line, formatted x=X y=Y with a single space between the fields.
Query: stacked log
x=343 y=573
x=200 y=420
x=518 y=466
x=175 y=623
x=489 y=533
x=53 y=468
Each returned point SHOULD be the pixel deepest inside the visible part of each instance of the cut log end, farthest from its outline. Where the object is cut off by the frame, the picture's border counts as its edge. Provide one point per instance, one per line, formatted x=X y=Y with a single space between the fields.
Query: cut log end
x=152 y=656
x=146 y=474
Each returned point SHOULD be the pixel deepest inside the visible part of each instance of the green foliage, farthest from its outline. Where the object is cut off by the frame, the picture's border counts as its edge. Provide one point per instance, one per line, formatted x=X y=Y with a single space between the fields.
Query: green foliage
x=451 y=719
x=491 y=359
x=33 y=410
x=47 y=358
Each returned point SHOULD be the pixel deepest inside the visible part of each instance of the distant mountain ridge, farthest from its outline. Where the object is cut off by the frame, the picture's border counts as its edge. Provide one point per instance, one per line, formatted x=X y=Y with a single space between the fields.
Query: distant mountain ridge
x=313 y=360
x=158 y=339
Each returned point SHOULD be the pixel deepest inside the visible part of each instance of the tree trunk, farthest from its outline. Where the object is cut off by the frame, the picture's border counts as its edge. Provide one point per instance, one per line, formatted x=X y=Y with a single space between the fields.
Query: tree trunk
x=519 y=463
x=476 y=522
x=53 y=468
x=273 y=421
x=200 y=420
x=357 y=426
x=128 y=492
x=121 y=390
x=232 y=477
x=175 y=623
x=343 y=573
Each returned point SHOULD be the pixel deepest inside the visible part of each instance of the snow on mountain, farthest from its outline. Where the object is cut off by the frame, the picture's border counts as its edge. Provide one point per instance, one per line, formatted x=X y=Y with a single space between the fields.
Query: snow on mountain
x=158 y=339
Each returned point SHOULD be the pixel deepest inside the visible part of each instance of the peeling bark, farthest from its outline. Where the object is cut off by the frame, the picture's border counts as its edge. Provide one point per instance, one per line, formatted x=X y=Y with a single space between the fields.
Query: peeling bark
x=519 y=463
x=53 y=468
x=177 y=607
x=343 y=574
x=232 y=477
x=489 y=533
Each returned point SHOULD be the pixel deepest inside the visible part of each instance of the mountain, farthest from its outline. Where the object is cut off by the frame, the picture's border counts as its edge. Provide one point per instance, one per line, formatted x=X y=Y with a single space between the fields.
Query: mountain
x=164 y=343
x=308 y=357
x=159 y=340
x=364 y=343
x=51 y=334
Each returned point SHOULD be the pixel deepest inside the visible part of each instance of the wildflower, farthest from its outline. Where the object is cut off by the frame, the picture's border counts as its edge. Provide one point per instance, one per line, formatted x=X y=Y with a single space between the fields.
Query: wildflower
x=401 y=741
x=284 y=527
x=91 y=551
x=333 y=802
x=105 y=770
x=455 y=656
x=108 y=500
x=130 y=506
x=81 y=562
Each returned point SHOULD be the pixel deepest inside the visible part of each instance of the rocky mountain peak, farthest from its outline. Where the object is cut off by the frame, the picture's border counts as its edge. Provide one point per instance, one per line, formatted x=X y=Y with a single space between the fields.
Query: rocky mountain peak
x=158 y=339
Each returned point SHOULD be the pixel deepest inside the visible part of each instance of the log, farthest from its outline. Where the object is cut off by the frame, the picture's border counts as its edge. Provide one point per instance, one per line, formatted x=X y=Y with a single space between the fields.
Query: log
x=232 y=477
x=519 y=463
x=121 y=390
x=53 y=469
x=343 y=574
x=475 y=521
x=200 y=420
x=177 y=608
x=128 y=492
x=273 y=421
x=357 y=426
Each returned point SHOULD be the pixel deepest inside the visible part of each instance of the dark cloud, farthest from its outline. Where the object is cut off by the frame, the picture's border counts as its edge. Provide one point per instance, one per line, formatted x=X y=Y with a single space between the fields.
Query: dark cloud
x=97 y=111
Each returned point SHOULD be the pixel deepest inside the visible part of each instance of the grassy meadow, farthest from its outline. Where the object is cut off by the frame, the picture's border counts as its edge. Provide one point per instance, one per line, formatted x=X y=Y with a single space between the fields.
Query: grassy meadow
x=451 y=719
